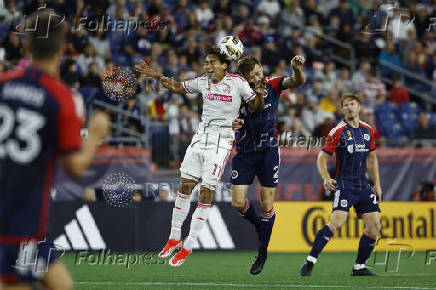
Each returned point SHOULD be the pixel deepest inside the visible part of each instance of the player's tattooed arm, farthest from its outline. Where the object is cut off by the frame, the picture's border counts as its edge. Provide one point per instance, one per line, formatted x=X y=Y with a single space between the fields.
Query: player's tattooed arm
x=328 y=182
x=172 y=85
x=299 y=78
x=372 y=164
x=258 y=103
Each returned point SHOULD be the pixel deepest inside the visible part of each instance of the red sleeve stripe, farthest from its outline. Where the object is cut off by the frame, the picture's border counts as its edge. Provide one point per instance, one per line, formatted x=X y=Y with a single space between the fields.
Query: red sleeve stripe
x=340 y=126
x=186 y=88
x=250 y=98
x=237 y=76
x=365 y=125
x=12 y=74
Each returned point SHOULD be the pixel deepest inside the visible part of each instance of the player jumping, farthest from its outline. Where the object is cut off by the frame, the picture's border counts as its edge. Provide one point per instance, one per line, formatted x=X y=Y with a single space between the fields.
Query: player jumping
x=353 y=143
x=258 y=152
x=39 y=124
x=210 y=147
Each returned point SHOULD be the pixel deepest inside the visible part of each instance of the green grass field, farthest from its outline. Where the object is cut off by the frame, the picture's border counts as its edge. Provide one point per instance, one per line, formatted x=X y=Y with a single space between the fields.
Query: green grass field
x=230 y=270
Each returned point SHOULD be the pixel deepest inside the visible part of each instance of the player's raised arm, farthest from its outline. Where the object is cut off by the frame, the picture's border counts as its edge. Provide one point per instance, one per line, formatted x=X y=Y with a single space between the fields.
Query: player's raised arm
x=172 y=85
x=299 y=77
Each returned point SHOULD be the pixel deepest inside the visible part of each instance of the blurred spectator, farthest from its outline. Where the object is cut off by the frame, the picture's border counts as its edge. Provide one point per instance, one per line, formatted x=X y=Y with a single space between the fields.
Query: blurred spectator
x=192 y=52
x=270 y=54
x=372 y=89
x=9 y=13
x=203 y=13
x=92 y=77
x=101 y=44
x=271 y=8
x=424 y=192
x=365 y=46
x=139 y=46
x=361 y=76
x=323 y=129
x=13 y=47
x=223 y=7
x=291 y=17
x=413 y=66
x=345 y=81
x=398 y=94
x=328 y=105
x=391 y=56
x=311 y=116
x=89 y=56
x=250 y=33
x=344 y=13
x=424 y=131
x=317 y=90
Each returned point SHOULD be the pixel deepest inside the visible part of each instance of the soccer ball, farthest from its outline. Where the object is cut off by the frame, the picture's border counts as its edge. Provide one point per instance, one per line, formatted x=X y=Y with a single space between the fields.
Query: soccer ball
x=231 y=47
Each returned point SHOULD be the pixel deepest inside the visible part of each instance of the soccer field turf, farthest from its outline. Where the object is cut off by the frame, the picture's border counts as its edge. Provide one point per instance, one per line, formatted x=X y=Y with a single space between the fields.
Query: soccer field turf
x=230 y=270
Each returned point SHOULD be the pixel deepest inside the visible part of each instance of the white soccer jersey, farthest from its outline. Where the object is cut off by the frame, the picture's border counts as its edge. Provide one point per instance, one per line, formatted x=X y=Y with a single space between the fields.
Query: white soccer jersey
x=221 y=103
x=207 y=155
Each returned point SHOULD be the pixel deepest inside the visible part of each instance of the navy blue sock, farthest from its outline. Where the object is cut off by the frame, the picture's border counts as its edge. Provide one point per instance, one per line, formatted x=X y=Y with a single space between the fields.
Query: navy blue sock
x=366 y=245
x=266 y=225
x=322 y=238
x=250 y=214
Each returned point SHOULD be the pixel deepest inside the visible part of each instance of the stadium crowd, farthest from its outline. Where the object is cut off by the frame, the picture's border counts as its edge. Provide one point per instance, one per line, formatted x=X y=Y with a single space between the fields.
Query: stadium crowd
x=103 y=34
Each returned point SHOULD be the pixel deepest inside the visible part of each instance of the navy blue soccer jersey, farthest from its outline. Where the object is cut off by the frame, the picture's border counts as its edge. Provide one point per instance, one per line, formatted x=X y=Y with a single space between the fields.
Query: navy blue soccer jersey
x=351 y=147
x=38 y=120
x=259 y=131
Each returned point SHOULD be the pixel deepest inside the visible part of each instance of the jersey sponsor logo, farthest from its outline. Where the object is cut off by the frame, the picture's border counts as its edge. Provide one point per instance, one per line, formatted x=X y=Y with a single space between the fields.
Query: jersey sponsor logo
x=215 y=234
x=235 y=174
x=361 y=148
x=267 y=106
x=218 y=97
x=366 y=137
x=350 y=149
x=81 y=233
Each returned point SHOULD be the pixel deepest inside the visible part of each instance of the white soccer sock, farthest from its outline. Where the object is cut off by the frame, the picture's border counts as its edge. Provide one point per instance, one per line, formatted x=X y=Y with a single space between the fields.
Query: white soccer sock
x=199 y=217
x=180 y=211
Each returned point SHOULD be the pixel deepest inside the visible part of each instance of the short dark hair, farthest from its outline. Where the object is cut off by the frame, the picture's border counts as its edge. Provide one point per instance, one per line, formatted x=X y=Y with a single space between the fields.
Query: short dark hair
x=45 y=32
x=247 y=64
x=209 y=49
x=349 y=96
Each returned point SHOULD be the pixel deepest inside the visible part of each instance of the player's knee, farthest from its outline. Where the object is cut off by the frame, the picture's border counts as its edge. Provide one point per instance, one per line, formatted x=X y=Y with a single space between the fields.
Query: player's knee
x=187 y=185
x=266 y=205
x=206 y=195
x=374 y=228
x=238 y=203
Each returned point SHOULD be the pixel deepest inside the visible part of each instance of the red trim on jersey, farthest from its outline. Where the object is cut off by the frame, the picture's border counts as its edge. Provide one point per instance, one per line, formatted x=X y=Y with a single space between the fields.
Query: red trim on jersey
x=333 y=139
x=236 y=76
x=9 y=278
x=275 y=84
x=12 y=74
x=372 y=135
x=224 y=164
x=68 y=122
x=275 y=124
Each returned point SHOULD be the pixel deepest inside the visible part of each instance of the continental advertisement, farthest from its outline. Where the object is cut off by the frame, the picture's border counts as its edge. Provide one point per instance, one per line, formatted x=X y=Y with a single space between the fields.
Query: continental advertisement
x=404 y=224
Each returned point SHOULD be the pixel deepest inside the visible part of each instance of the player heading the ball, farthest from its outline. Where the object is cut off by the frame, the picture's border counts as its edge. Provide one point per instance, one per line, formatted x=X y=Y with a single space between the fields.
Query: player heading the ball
x=206 y=157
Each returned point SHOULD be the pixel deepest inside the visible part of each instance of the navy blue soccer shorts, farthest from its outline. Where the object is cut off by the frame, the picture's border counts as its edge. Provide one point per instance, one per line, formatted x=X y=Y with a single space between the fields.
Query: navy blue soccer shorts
x=27 y=262
x=363 y=201
x=263 y=164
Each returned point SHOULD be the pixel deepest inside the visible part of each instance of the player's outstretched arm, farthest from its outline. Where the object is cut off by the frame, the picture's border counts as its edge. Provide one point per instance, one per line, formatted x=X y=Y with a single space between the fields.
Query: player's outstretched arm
x=299 y=78
x=372 y=164
x=172 y=85
x=328 y=182
x=77 y=162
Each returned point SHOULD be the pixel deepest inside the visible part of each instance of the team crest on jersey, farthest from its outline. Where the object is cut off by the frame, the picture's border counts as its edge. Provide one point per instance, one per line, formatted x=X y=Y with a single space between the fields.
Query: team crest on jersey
x=344 y=203
x=234 y=174
x=227 y=88
x=366 y=137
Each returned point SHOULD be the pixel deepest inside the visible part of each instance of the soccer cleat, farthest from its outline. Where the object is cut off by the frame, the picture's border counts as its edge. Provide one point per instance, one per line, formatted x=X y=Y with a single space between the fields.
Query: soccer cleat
x=169 y=248
x=362 y=272
x=179 y=258
x=306 y=268
x=259 y=262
